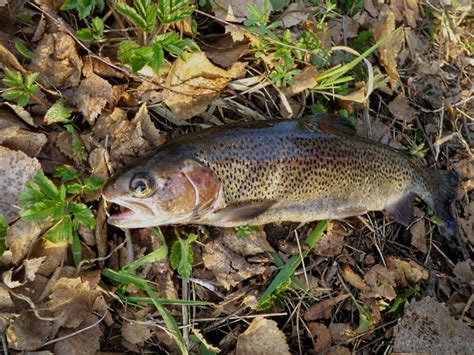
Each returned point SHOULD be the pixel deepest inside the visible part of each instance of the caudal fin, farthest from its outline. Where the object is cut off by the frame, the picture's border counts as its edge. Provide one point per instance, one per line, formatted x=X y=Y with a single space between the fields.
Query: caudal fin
x=444 y=185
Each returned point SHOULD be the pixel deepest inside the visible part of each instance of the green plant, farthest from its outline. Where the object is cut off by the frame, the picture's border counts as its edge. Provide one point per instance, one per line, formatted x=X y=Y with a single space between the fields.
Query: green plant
x=83 y=7
x=25 y=52
x=93 y=33
x=280 y=283
x=42 y=200
x=181 y=256
x=57 y=113
x=19 y=88
x=243 y=231
x=402 y=298
x=3 y=234
x=144 y=15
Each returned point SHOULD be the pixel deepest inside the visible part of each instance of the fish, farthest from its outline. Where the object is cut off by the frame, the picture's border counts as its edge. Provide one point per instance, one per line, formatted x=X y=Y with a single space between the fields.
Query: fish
x=274 y=171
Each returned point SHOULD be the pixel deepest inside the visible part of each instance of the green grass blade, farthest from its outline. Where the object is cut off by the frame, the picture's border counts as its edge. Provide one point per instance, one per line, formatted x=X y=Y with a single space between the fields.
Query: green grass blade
x=292 y=264
x=157 y=255
x=169 y=301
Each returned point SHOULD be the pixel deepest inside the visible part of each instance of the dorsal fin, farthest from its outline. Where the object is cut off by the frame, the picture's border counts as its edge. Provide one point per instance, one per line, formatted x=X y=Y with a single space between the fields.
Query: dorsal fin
x=330 y=123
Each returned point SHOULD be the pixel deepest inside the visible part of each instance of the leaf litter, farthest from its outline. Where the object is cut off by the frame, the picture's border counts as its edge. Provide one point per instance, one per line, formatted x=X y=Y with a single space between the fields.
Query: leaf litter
x=363 y=275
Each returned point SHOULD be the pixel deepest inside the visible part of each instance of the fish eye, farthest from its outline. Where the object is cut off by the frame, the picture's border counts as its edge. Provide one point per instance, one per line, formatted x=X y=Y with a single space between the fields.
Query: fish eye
x=141 y=185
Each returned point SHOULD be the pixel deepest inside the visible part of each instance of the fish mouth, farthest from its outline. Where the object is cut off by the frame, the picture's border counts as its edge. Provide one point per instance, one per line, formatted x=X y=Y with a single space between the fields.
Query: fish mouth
x=132 y=215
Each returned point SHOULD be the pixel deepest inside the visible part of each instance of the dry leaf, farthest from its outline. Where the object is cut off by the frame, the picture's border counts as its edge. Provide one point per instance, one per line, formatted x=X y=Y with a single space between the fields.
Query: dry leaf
x=323 y=309
x=354 y=279
x=92 y=95
x=465 y=272
x=428 y=326
x=57 y=60
x=294 y=15
x=381 y=283
x=126 y=139
x=401 y=109
x=16 y=168
x=390 y=48
x=338 y=350
x=236 y=10
x=85 y=342
x=341 y=332
x=370 y=7
x=302 y=81
x=332 y=242
x=54 y=254
x=253 y=243
x=228 y=267
x=321 y=336
x=8 y=60
x=14 y=135
x=406 y=272
x=406 y=11
x=71 y=301
x=27 y=332
x=224 y=51
x=262 y=337
x=418 y=236
x=194 y=83
x=135 y=332
x=20 y=237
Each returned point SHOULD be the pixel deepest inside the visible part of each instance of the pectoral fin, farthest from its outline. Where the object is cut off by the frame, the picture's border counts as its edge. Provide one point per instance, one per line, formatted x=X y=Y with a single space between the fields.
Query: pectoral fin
x=402 y=209
x=242 y=212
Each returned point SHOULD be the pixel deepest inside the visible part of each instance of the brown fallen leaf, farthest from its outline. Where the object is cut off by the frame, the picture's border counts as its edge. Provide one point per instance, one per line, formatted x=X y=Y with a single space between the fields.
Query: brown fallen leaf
x=464 y=271
x=390 y=48
x=406 y=11
x=54 y=255
x=27 y=332
x=401 y=109
x=332 y=242
x=254 y=242
x=21 y=235
x=8 y=60
x=321 y=336
x=85 y=342
x=427 y=325
x=337 y=350
x=15 y=135
x=236 y=10
x=294 y=15
x=381 y=283
x=194 y=83
x=262 y=337
x=370 y=7
x=228 y=267
x=57 y=60
x=302 y=81
x=135 y=332
x=406 y=272
x=354 y=279
x=323 y=309
x=92 y=96
x=126 y=139
x=16 y=168
x=341 y=333
x=418 y=233
x=224 y=51
x=71 y=301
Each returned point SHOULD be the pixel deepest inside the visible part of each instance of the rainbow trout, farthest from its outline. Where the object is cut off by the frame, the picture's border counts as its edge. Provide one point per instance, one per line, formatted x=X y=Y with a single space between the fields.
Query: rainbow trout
x=274 y=171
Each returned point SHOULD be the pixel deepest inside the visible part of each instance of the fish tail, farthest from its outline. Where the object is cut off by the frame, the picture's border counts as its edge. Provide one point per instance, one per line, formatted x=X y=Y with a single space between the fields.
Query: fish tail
x=443 y=191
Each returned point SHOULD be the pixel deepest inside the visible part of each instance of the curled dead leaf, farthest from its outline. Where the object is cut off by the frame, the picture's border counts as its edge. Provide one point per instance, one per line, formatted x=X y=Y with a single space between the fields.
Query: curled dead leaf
x=228 y=267
x=262 y=337
x=224 y=51
x=323 y=309
x=406 y=272
x=401 y=109
x=57 y=60
x=92 y=95
x=27 y=332
x=192 y=84
x=381 y=283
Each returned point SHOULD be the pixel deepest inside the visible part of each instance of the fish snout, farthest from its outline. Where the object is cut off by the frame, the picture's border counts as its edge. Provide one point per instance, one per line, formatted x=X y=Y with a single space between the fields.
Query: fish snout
x=112 y=189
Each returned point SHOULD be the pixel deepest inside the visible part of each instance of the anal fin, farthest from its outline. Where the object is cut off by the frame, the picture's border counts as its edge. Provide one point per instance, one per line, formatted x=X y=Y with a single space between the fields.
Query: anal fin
x=402 y=209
